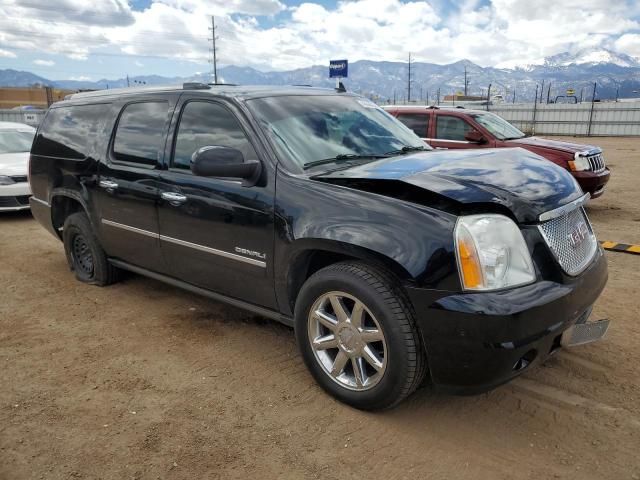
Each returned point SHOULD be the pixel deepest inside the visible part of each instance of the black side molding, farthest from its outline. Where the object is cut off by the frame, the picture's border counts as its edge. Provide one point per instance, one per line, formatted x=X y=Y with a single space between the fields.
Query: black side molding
x=264 y=312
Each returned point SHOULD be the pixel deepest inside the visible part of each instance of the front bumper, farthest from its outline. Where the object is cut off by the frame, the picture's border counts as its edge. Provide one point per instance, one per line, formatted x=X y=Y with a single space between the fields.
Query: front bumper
x=14 y=197
x=591 y=182
x=476 y=341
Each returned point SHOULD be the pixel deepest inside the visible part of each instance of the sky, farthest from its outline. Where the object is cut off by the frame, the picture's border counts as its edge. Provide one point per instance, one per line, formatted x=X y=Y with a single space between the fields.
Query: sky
x=95 y=39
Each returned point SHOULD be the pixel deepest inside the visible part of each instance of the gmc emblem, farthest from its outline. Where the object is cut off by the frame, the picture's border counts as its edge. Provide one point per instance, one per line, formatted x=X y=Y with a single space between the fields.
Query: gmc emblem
x=578 y=234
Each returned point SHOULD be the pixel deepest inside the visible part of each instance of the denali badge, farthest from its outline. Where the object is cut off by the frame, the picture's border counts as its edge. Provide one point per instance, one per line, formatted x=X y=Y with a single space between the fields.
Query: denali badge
x=578 y=234
x=251 y=253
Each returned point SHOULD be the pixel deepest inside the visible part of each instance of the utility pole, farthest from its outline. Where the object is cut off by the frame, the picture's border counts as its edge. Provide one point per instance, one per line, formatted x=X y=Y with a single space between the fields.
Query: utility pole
x=128 y=80
x=213 y=51
x=409 y=81
x=466 y=82
x=541 y=91
x=549 y=92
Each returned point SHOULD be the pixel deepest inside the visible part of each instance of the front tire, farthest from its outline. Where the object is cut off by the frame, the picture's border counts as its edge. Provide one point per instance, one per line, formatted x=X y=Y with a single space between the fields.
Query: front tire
x=356 y=331
x=84 y=253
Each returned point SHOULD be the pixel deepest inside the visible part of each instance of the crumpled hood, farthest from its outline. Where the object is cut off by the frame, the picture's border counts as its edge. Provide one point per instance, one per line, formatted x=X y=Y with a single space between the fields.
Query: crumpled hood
x=14 y=163
x=517 y=179
x=553 y=144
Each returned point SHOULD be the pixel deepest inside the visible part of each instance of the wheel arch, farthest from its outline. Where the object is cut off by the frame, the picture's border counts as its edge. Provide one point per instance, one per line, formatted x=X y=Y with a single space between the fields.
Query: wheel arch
x=65 y=202
x=311 y=255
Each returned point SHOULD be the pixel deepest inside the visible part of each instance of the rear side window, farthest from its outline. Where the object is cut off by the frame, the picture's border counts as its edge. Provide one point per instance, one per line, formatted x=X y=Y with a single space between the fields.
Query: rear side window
x=417 y=122
x=451 y=128
x=204 y=124
x=140 y=133
x=69 y=132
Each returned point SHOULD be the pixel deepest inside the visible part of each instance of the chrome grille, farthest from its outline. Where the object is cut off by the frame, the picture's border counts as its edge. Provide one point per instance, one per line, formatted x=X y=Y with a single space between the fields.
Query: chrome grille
x=560 y=234
x=596 y=162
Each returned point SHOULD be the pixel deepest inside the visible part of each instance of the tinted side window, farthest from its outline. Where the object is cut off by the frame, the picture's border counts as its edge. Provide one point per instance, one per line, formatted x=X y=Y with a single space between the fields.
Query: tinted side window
x=451 y=128
x=204 y=124
x=69 y=132
x=140 y=134
x=418 y=122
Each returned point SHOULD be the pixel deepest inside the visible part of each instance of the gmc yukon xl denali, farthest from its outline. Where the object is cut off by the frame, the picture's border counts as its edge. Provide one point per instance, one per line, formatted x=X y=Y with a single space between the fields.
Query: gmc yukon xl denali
x=395 y=264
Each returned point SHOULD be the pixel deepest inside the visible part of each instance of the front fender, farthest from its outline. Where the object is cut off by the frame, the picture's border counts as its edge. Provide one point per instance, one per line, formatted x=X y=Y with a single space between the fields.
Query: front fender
x=414 y=241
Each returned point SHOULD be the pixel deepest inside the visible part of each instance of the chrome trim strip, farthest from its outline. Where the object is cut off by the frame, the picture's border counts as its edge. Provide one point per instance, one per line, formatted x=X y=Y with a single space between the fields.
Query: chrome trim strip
x=130 y=228
x=214 y=251
x=558 y=212
x=46 y=204
x=184 y=243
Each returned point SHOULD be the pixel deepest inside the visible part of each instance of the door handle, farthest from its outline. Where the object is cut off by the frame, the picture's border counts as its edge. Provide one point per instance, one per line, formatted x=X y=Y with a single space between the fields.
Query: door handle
x=108 y=185
x=174 y=198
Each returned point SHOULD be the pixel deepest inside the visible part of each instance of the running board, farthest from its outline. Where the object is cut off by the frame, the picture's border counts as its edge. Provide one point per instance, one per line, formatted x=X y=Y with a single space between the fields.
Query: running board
x=582 y=333
x=264 y=312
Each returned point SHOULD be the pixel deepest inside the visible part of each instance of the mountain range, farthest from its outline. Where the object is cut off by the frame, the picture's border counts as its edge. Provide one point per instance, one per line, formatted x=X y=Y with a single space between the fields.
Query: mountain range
x=615 y=74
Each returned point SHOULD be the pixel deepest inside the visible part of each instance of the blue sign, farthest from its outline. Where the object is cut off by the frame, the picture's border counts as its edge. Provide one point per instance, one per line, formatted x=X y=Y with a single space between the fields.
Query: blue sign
x=338 y=68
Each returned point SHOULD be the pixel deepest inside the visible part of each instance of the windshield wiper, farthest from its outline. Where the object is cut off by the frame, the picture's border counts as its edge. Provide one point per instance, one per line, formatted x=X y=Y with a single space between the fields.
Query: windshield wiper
x=341 y=158
x=407 y=149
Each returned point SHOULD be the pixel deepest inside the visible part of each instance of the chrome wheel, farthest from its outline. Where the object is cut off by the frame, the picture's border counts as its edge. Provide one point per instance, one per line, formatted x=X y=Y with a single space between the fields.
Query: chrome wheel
x=347 y=341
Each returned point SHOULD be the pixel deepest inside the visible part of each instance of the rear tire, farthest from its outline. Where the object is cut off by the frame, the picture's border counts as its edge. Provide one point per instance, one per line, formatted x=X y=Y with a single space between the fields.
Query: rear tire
x=356 y=331
x=84 y=253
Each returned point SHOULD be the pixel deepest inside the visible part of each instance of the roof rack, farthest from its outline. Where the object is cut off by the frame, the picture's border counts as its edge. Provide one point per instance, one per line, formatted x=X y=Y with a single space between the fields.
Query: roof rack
x=195 y=86
x=225 y=84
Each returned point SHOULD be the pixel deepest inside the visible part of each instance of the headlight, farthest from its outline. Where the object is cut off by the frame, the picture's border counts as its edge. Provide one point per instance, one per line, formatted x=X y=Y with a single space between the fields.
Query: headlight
x=579 y=163
x=491 y=253
x=4 y=180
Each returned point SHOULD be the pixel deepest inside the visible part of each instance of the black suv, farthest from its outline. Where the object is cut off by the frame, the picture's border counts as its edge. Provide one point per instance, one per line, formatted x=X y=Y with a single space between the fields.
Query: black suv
x=394 y=263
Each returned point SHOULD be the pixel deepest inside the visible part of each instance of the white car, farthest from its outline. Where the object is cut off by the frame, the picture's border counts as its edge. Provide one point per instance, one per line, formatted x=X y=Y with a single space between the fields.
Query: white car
x=15 y=144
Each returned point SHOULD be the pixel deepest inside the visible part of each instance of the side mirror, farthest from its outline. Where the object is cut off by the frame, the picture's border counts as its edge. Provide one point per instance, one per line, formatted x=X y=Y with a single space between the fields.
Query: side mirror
x=475 y=136
x=225 y=162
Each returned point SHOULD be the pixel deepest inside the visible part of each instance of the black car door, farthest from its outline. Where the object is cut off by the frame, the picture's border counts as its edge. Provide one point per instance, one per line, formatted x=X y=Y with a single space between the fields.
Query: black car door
x=216 y=233
x=128 y=180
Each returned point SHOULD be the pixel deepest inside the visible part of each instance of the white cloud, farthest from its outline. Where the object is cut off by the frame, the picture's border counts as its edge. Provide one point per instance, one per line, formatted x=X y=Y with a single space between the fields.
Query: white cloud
x=503 y=33
x=7 y=54
x=44 y=63
x=81 y=78
x=629 y=44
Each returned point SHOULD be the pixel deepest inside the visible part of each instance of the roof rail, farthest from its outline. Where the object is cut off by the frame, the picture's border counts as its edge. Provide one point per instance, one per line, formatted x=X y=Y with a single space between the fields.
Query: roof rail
x=195 y=86
x=433 y=107
x=225 y=84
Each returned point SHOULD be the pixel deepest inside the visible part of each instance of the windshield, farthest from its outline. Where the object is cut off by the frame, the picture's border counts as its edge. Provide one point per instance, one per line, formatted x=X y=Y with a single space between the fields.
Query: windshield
x=310 y=128
x=499 y=127
x=15 y=141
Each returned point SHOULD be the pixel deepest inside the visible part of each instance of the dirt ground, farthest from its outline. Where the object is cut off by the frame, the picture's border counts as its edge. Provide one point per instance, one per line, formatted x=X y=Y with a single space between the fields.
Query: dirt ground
x=144 y=381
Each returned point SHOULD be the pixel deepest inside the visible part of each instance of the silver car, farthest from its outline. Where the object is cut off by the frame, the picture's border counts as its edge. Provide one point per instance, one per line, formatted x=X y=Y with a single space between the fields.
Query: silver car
x=15 y=144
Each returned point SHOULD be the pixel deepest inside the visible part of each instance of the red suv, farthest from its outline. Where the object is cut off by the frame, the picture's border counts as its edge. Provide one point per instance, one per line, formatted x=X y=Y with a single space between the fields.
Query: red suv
x=443 y=127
